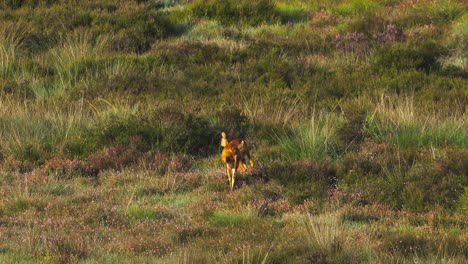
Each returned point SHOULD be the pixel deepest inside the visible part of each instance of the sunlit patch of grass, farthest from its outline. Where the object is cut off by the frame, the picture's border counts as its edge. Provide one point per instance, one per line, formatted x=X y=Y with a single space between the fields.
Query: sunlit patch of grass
x=12 y=257
x=231 y=219
x=206 y=30
x=405 y=125
x=427 y=12
x=462 y=206
x=355 y=7
x=454 y=40
x=291 y=13
x=443 y=11
x=172 y=200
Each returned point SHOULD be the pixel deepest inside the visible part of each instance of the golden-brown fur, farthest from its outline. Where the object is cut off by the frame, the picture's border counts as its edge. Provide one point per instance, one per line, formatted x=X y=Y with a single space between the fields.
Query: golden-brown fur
x=234 y=156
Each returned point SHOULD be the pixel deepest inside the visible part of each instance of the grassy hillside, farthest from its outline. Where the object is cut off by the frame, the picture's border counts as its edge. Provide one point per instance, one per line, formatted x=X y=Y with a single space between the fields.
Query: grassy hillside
x=111 y=114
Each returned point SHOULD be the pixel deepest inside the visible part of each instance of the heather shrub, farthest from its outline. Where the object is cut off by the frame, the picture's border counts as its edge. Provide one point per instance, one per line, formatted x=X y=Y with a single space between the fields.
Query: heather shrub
x=431 y=185
x=415 y=243
x=61 y=168
x=46 y=19
x=346 y=81
x=352 y=132
x=185 y=132
x=231 y=120
x=114 y=157
x=167 y=129
x=140 y=31
x=145 y=213
x=360 y=215
x=119 y=127
x=403 y=179
x=304 y=180
x=409 y=243
x=60 y=248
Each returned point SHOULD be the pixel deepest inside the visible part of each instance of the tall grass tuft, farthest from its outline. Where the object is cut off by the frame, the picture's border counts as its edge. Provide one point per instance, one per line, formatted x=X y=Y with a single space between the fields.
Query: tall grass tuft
x=324 y=232
x=283 y=112
x=404 y=124
x=315 y=138
x=11 y=44
x=72 y=61
x=34 y=137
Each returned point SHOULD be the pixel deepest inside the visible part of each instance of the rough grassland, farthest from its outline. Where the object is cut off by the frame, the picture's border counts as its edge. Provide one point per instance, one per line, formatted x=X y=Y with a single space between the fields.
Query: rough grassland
x=111 y=114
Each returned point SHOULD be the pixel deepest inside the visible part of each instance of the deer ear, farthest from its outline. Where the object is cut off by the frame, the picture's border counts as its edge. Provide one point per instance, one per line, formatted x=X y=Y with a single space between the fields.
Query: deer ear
x=224 y=140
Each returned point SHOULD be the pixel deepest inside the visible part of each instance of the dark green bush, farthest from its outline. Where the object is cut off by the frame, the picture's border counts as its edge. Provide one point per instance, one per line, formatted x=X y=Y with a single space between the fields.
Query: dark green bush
x=404 y=82
x=186 y=133
x=232 y=121
x=29 y=3
x=167 y=129
x=136 y=33
x=406 y=56
x=351 y=132
x=247 y=12
x=119 y=128
x=188 y=53
x=46 y=20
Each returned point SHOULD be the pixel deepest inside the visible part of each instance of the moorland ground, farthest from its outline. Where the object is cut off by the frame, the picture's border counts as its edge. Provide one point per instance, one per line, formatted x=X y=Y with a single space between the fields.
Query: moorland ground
x=111 y=114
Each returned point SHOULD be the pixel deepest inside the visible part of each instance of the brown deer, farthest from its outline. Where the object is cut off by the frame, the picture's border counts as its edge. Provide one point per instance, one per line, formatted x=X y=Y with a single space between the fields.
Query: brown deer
x=234 y=156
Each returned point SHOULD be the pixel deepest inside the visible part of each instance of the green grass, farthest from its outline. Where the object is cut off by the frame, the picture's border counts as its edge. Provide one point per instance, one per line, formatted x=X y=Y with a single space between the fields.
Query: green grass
x=403 y=126
x=229 y=219
x=314 y=139
x=355 y=7
x=175 y=201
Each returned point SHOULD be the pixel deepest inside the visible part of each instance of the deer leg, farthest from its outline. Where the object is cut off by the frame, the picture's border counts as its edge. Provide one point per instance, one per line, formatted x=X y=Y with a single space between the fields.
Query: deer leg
x=234 y=170
x=242 y=166
x=233 y=179
x=228 y=173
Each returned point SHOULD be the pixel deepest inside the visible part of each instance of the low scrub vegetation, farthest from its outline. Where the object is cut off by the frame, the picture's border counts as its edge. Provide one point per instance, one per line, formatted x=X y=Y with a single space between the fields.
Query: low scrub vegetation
x=111 y=115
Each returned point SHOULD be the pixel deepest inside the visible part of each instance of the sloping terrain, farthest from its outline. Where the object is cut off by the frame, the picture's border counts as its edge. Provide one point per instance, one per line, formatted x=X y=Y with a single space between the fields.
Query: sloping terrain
x=111 y=115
